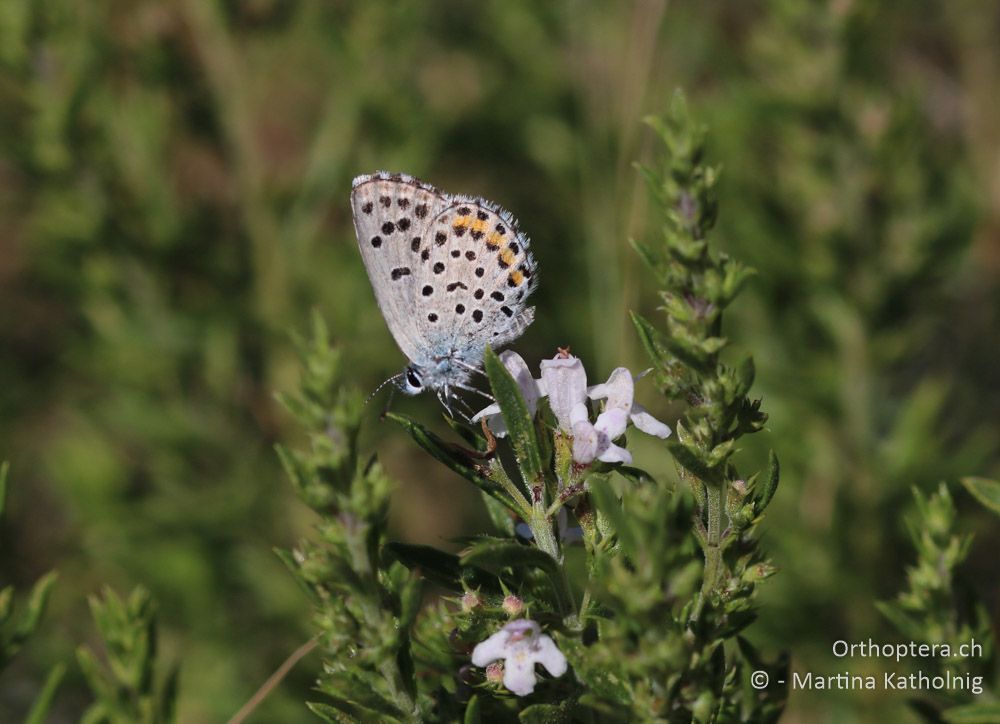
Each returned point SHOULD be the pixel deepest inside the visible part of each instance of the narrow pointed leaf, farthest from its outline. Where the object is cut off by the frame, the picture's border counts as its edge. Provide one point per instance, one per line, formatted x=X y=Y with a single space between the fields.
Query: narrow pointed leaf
x=461 y=464
x=771 y=484
x=445 y=569
x=43 y=702
x=985 y=491
x=473 y=715
x=662 y=349
x=689 y=459
x=37 y=601
x=494 y=554
x=516 y=416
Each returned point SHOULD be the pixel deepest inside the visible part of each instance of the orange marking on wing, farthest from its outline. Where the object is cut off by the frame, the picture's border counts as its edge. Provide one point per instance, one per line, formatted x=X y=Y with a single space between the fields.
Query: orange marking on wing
x=469 y=223
x=508 y=257
x=494 y=240
x=515 y=278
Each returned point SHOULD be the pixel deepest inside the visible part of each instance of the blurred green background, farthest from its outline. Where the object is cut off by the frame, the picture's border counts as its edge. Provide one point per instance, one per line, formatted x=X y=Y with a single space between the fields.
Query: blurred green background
x=174 y=182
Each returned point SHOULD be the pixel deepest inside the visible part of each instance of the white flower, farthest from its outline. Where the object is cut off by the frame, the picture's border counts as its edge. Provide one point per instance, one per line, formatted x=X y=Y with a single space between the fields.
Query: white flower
x=521 y=644
x=530 y=391
x=594 y=441
x=618 y=391
x=564 y=380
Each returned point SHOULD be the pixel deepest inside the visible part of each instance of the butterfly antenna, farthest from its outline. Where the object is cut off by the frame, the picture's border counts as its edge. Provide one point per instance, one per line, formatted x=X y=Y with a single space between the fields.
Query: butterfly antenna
x=394 y=378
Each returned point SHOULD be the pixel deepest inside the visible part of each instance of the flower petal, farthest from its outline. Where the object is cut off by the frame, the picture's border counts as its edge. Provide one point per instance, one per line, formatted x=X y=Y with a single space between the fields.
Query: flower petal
x=647 y=423
x=548 y=655
x=586 y=443
x=518 y=369
x=565 y=381
x=519 y=674
x=494 y=420
x=618 y=390
x=493 y=648
x=493 y=409
x=615 y=454
x=612 y=422
x=579 y=413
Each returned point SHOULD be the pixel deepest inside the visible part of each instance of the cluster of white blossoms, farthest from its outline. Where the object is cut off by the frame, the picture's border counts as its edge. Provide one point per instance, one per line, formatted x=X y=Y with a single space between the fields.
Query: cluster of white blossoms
x=521 y=644
x=564 y=382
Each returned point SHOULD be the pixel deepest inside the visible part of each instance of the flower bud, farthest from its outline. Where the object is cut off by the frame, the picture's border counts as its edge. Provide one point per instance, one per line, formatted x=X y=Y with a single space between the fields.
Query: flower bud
x=470 y=601
x=494 y=672
x=512 y=606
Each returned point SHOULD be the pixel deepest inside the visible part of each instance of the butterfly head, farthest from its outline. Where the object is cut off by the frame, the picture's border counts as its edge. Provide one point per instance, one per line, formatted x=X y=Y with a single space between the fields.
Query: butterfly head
x=411 y=380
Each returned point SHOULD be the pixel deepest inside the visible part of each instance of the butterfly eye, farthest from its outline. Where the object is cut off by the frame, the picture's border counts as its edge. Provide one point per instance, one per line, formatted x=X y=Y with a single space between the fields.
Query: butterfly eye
x=413 y=382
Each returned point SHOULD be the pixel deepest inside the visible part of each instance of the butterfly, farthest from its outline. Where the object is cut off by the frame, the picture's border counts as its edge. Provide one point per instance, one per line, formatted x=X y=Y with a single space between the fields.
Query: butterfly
x=451 y=275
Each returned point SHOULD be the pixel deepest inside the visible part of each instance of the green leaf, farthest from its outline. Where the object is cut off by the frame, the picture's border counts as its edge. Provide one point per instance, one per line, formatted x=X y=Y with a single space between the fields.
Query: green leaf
x=607 y=503
x=985 y=491
x=503 y=554
x=444 y=569
x=103 y=689
x=362 y=703
x=409 y=601
x=496 y=555
x=899 y=618
x=547 y=713
x=636 y=476
x=517 y=418
x=462 y=464
x=984 y=713
x=606 y=683
x=645 y=252
x=663 y=349
x=37 y=602
x=435 y=565
x=744 y=374
x=341 y=712
x=648 y=336
x=770 y=485
x=688 y=458
x=473 y=713
x=43 y=702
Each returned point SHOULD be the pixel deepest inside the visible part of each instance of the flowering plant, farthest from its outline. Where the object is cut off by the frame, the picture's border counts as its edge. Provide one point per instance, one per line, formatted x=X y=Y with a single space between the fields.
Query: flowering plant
x=625 y=591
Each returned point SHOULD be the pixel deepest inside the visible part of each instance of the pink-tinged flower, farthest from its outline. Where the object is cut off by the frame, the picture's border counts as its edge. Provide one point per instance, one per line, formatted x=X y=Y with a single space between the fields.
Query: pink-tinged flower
x=618 y=392
x=521 y=644
x=593 y=441
x=530 y=391
x=564 y=380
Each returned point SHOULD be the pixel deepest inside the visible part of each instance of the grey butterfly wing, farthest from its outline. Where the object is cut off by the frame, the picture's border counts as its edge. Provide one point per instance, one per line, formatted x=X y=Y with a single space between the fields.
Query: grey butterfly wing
x=392 y=215
x=481 y=274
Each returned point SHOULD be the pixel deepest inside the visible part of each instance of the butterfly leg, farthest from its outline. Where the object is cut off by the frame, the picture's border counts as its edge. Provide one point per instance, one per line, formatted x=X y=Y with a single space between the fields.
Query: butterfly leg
x=469 y=368
x=469 y=388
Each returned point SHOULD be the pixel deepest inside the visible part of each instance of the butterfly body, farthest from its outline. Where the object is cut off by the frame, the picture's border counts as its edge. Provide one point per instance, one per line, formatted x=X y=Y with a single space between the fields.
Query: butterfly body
x=451 y=275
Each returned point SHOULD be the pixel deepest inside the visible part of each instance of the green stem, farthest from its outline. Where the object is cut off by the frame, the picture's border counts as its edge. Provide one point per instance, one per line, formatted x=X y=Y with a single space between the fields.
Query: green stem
x=713 y=553
x=545 y=539
x=356 y=539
